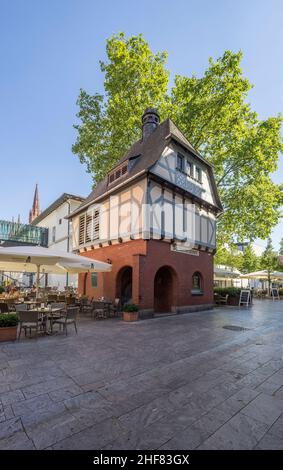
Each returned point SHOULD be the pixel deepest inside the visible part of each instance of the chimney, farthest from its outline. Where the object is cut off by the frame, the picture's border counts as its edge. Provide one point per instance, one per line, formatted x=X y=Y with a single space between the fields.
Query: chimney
x=150 y=121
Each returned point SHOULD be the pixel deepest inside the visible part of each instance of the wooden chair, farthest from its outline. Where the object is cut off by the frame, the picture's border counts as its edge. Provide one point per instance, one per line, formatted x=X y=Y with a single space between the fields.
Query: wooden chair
x=221 y=299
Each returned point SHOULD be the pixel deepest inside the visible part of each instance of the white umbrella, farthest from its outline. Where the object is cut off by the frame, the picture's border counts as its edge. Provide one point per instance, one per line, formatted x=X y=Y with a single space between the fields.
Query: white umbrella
x=44 y=260
x=263 y=275
x=227 y=273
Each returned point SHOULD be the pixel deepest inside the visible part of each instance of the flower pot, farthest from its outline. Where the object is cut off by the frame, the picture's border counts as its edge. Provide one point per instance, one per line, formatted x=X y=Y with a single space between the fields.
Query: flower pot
x=130 y=316
x=8 y=333
x=233 y=301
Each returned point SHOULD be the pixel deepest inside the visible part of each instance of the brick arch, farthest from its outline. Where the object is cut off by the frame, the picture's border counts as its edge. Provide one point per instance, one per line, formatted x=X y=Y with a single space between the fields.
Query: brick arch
x=124 y=284
x=165 y=289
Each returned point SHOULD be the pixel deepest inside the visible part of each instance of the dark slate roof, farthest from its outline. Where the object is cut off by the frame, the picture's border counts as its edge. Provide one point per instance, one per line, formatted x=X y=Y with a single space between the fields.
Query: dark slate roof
x=141 y=156
x=63 y=198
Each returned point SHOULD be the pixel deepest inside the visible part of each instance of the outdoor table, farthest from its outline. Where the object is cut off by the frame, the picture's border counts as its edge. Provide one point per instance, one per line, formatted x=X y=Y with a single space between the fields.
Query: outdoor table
x=31 y=303
x=50 y=313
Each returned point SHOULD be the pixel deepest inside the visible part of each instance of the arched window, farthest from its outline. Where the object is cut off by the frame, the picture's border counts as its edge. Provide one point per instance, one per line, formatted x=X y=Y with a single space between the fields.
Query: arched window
x=196 y=283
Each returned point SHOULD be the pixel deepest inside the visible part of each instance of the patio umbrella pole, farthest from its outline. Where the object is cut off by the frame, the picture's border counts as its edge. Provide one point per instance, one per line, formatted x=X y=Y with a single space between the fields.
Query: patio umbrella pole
x=37 y=280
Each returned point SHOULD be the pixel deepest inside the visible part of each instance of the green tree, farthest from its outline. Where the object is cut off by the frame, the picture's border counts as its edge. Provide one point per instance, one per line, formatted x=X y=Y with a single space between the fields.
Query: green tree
x=281 y=247
x=213 y=113
x=250 y=262
x=229 y=256
x=135 y=78
x=269 y=260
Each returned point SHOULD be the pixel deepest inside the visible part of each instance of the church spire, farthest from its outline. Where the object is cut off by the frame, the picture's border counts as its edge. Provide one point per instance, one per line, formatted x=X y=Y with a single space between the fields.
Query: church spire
x=35 y=210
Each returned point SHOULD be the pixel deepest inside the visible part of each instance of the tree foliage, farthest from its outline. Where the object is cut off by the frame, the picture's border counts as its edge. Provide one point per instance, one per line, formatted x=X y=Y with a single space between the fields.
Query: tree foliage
x=229 y=256
x=250 y=261
x=269 y=258
x=135 y=78
x=213 y=113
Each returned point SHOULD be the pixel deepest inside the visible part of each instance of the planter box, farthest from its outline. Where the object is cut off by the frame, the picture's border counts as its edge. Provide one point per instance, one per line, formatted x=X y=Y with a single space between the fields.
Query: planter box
x=8 y=333
x=130 y=316
x=233 y=300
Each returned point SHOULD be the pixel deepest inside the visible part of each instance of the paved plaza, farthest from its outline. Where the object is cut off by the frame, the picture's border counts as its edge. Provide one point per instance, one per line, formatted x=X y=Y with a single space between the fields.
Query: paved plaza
x=177 y=382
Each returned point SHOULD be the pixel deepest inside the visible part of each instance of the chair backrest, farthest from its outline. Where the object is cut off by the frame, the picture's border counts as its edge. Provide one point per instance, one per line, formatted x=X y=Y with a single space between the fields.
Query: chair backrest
x=72 y=312
x=98 y=304
x=4 y=308
x=21 y=307
x=59 y=305
x=28 y=316
x=52 y=297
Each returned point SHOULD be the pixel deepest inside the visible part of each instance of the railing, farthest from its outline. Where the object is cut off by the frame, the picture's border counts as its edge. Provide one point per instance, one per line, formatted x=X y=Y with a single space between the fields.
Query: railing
x=23 y=233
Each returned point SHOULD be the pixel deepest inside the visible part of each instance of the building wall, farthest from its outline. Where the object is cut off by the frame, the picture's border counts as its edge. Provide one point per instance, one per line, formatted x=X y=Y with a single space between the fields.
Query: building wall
x=57 y=219
x=120 y=215
x=146 y=210
x=165 y=167
x=146 y=257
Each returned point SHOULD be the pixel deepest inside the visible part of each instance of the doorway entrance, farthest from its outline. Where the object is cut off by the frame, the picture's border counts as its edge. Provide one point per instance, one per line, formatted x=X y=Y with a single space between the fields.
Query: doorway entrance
x=163 y=290
x=124 y=285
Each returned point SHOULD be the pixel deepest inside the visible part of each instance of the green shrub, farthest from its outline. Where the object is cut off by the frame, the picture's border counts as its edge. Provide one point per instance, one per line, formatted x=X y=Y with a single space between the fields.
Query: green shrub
x=8 y=319
x=130 y=308
x=2 y=289
x=231 y=291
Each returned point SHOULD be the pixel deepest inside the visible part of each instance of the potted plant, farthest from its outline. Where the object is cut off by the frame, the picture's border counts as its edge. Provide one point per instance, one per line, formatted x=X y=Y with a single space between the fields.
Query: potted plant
x=233 y=294
x=130 y=312
x=8 y=326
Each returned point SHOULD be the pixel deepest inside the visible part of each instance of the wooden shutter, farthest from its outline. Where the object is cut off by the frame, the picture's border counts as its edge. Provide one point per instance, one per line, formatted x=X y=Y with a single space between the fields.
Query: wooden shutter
x=82 y=229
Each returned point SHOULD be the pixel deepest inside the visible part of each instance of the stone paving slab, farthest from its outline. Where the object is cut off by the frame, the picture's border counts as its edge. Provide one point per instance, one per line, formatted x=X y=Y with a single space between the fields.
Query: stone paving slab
x=178 y=382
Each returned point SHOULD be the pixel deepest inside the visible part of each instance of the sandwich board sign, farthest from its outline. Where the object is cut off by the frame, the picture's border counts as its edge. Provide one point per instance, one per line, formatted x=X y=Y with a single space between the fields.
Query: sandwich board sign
x=245 y=297
x=275 y=293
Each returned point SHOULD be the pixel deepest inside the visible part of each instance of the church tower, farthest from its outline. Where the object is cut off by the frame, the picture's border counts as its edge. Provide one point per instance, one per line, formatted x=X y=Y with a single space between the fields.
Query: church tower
x=35 y=210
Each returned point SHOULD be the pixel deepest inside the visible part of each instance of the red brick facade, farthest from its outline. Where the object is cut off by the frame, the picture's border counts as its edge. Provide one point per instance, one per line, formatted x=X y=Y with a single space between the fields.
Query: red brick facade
x=146 y=258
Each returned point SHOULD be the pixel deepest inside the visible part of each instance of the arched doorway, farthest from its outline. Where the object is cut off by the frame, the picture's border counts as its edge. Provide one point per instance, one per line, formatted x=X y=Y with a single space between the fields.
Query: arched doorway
x=163 y=289
x=124 y=285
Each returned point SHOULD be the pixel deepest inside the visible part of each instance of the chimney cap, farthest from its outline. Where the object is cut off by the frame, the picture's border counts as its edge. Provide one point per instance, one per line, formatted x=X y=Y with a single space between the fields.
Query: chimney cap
x=150 y=111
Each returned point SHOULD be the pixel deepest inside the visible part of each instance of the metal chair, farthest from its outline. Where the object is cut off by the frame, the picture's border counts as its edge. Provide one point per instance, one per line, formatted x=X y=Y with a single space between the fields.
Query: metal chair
x=70 y=318
x=4 y=308
x=115 y=308
x=61 y=305
x=30 y=320
x=100 y=309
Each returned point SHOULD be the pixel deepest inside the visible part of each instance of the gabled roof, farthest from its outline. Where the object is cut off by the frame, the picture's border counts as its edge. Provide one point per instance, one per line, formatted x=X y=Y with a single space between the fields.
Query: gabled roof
x=141 y=156
x=63 y=198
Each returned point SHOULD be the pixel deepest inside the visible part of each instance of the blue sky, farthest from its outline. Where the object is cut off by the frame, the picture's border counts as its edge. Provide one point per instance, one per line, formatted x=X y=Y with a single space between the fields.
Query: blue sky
x=49 y=49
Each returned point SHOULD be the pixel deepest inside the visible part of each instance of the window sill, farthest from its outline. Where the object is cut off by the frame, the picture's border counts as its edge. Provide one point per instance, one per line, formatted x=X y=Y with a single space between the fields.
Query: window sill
x=196 y=292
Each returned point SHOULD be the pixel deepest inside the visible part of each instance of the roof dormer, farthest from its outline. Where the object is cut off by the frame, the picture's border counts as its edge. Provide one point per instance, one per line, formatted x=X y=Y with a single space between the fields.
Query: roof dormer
x=117 y=173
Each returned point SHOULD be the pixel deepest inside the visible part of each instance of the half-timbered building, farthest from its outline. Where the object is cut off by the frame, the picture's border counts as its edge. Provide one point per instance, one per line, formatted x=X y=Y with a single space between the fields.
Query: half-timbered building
x=154 y=219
